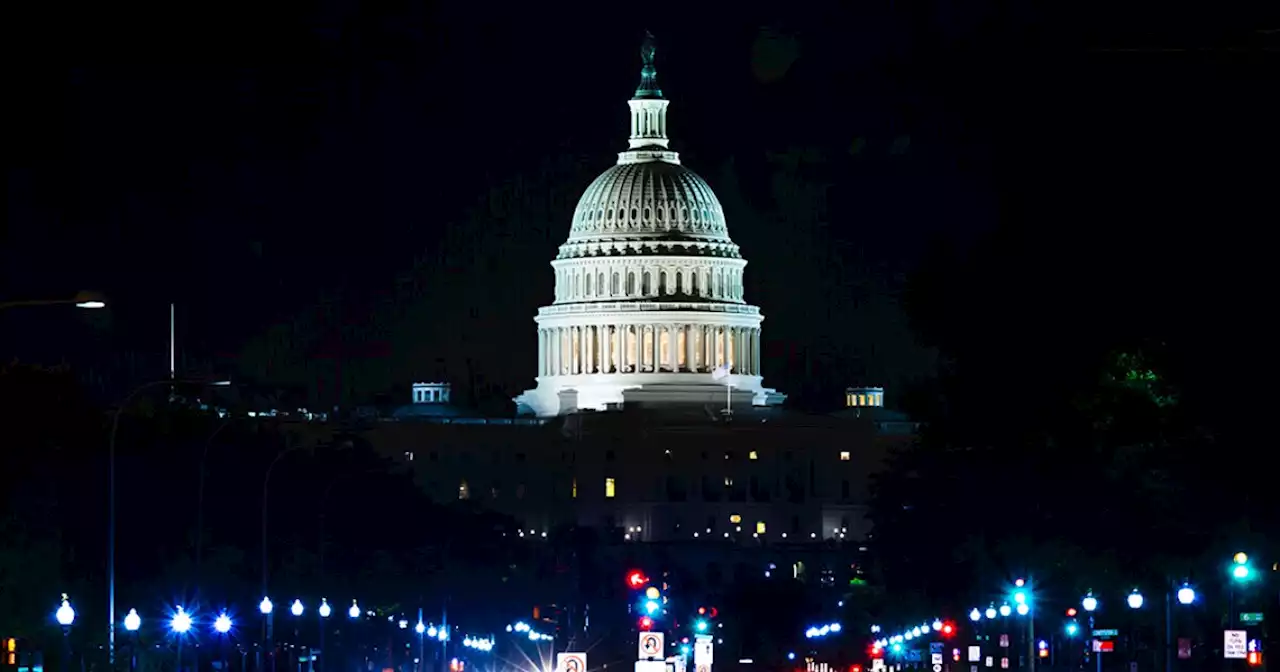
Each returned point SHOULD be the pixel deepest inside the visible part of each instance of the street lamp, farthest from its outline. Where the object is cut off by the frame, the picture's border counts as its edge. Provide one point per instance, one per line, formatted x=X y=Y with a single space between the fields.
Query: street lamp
x=265 y=606
x=89 y=300
x=1005 y=610
x=975 y=615
x=132 y=621
x=1186 y=594
x=296 y=609
x=222 y=625
x=1240 y=570
x=111 y=504
x=354 y=611
x=991 y=613
x=1135 y=599
x=1089 y=603
x=65 y=616
x=325 y=610
x=180 y=624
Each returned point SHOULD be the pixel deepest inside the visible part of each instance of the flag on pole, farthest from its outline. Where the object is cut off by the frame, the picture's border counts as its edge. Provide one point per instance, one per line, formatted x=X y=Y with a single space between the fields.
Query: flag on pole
x=721 y=371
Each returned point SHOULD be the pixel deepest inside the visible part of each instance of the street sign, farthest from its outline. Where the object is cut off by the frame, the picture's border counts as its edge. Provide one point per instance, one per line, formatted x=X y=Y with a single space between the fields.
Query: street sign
x=935 y=658
x=937 y=668
x=1251 y=617
x=651 y=646
x=1110 y=632
x=1004 y=641
x=1004 y=663
x=1235 y=644
x=975 y=654
x=1184 y=648
x=702 y=651
x=571 y=662
x=935 y=647
x=651 y=666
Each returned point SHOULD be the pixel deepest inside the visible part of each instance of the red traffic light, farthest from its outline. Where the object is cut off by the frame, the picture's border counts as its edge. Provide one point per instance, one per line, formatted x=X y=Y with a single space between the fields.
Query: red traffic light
x=702 y=611
x=1071 y=613
x=646 y=623
x=948 y=629
x=713 y=612
x=636 y=579
x=1255 y=658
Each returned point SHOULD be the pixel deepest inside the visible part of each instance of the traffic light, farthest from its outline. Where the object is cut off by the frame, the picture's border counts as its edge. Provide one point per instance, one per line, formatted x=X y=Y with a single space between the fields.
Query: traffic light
x=948 y=629
x=1255 y=658
x=709 y=612
x=645 y=623
x=1071 y=612
x=701 y=626
x=636 y=579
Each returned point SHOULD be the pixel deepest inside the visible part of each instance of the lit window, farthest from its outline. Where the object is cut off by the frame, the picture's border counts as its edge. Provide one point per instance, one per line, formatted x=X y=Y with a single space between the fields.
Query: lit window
x=408 y=455
x=728 y=481
x=610 y=488
x=760 y=527
x=735 y=519
x=753 y=455
x=464 y=491
x=844 y=456
x=573 y=489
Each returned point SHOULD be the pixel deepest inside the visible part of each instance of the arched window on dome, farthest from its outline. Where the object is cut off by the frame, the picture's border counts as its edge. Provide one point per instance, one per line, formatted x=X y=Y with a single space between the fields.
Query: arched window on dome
x=662 y=283
x=587 y=291
x=693 y=282
x=613 y=284
x=680 y=281
x=645 y=283
x=599 y=284
x=631 y=283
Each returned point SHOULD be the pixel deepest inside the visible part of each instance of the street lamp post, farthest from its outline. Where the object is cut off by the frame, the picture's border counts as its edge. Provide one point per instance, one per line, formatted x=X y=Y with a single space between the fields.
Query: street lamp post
x=132 y=621
x=266 y=608
x=89 y=300
x=65 y=616
x=325 y=610
x=111 y=507
x=1090 y=605
x=222 y=625
x=180 y=624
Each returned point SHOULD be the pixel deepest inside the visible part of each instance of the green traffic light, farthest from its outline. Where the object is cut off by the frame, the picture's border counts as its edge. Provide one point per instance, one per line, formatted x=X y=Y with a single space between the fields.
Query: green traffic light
x=700 y=625
x=1241 y=572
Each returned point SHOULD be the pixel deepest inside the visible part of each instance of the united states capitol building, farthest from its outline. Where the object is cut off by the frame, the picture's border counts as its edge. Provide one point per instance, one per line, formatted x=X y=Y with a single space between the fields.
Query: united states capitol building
x=649 y=420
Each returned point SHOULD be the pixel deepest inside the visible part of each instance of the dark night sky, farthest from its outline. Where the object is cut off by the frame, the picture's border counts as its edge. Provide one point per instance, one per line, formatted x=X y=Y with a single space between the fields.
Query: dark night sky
x=384 y=184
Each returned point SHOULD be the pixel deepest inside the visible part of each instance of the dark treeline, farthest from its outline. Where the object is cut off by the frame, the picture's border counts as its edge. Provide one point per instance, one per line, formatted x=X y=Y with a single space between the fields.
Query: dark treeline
x=343 y=523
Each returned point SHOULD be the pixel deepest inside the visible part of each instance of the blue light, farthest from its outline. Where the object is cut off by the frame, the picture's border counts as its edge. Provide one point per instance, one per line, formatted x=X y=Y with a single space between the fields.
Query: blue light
x=652 y=607
x=1072 y=629
x=222 y=624
x=896 y=648
x=684 y=648
x=700 y=626
x=181 y=622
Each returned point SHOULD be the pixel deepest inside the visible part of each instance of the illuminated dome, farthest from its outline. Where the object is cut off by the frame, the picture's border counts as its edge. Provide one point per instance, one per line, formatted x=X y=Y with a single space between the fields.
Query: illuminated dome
x=648 y=299
x=649 y=200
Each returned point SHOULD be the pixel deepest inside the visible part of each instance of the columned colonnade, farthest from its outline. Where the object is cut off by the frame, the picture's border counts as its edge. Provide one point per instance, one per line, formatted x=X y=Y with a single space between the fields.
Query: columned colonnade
x=674 y=347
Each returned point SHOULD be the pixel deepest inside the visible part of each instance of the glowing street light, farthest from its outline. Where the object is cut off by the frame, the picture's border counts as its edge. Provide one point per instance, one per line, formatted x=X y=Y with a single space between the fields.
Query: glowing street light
x=991 y=613
x=325 y=609
x=132 y=621
x=1186 y=594
x=1072 y=629
x=421 y=628
x=1135 y=599
x=222 y=624
x=1089 y=603
x=1023 y=609
x=265 y=606
x=1005 y=610
x=181 y=622
x=354 y=611
x=65 y=614
x=975 y=615
x=296 y=609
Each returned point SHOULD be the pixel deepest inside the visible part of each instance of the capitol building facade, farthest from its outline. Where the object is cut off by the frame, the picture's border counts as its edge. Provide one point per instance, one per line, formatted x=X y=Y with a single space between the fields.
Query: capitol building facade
x=648 y=299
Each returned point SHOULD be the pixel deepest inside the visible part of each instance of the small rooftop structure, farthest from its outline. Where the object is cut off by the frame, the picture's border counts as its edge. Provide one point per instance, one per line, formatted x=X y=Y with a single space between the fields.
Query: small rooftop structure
x=857 y=397
x=431 y=393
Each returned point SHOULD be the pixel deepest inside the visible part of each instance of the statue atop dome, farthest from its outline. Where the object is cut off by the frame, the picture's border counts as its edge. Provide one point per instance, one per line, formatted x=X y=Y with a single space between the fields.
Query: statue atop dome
x=648 y=73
